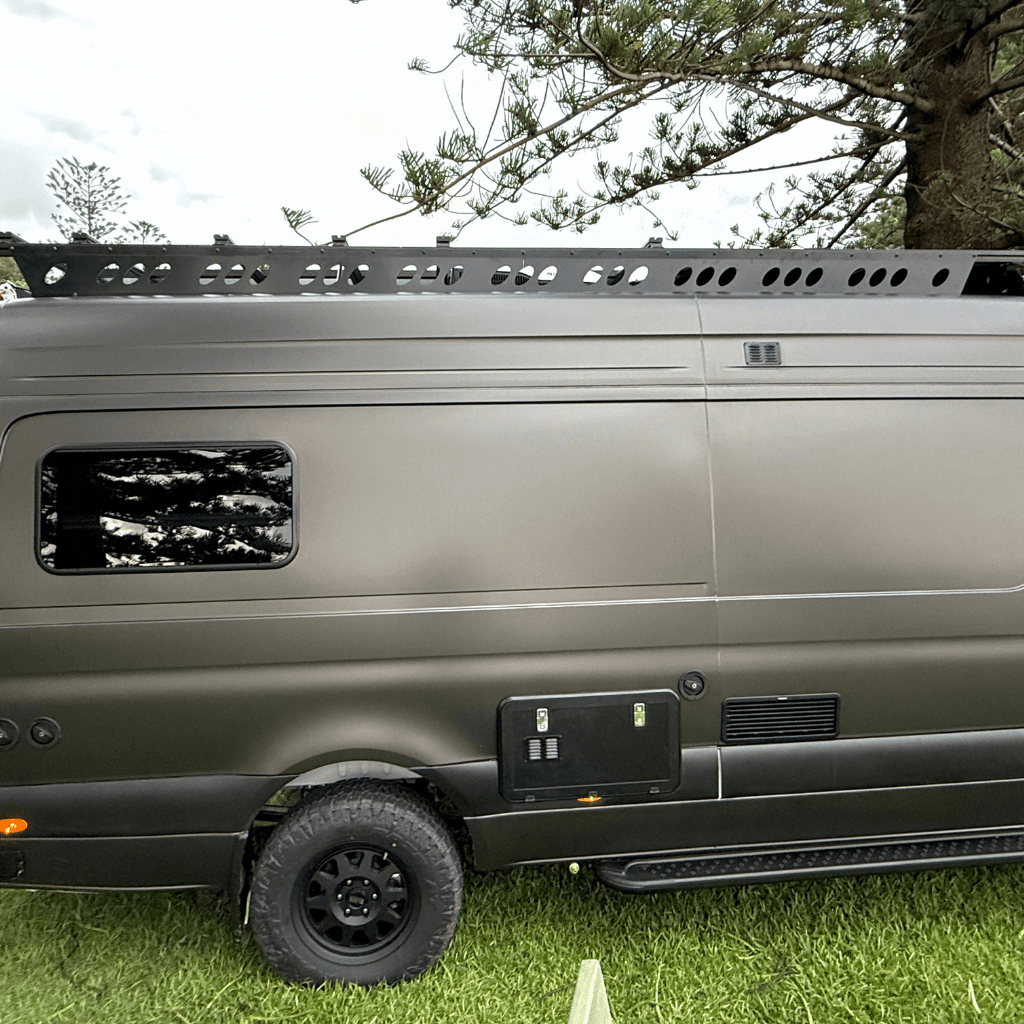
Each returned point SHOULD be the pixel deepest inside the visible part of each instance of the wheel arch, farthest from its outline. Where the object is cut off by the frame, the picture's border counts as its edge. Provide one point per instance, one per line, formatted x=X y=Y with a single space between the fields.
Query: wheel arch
x=354 y=768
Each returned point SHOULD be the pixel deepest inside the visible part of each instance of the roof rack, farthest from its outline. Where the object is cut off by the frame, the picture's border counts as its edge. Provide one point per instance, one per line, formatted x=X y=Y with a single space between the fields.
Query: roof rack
x=94 y=268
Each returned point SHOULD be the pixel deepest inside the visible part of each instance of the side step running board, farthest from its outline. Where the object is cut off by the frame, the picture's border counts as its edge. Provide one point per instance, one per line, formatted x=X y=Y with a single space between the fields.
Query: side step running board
x=746 y=867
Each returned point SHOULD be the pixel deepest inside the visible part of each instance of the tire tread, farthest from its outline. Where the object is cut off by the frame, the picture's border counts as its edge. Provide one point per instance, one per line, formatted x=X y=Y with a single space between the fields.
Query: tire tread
x=349 y=807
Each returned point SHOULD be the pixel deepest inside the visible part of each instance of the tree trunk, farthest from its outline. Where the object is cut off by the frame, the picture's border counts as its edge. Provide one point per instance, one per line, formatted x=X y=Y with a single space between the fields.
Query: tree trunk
x=951 y=198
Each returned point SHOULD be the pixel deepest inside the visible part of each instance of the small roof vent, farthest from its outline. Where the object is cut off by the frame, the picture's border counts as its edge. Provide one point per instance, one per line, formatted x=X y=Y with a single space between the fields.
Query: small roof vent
x=762 y=353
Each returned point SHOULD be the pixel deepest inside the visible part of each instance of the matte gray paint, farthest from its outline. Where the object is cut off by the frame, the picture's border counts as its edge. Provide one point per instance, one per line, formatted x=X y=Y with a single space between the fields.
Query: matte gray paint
x=866 y=540
x=872 y=763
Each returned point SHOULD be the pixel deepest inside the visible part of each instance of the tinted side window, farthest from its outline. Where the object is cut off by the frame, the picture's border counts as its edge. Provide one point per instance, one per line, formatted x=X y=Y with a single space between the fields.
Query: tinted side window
x=165 y=508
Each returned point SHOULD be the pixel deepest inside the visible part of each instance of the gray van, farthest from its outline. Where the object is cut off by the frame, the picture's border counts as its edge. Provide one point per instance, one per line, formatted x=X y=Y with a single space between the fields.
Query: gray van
x=328 y=570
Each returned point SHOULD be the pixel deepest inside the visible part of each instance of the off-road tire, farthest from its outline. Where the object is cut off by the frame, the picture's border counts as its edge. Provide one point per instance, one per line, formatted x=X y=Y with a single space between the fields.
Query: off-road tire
x=384 y=826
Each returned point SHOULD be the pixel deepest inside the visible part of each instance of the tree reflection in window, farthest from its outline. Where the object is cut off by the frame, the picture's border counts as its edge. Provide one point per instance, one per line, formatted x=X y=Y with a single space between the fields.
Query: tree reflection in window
x=165 y=508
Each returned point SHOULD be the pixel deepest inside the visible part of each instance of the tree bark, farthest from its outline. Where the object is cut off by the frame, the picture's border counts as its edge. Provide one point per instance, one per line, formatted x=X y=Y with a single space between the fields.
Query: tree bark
x=952 y=201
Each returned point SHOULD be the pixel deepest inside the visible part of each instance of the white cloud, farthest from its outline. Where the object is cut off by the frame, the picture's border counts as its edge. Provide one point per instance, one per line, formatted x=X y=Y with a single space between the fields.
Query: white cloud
x=136 y=127
x=185 y=197
x=25 y=201
x=162 y=174
x=72 y=127
x=40 y=11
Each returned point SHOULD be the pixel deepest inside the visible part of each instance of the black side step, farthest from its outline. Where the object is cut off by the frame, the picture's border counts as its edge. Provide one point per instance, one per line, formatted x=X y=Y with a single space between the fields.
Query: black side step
x=694 y=870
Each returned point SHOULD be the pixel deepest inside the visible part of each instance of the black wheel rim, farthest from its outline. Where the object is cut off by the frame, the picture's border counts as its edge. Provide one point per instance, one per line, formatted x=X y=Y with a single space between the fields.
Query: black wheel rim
x=356 y=900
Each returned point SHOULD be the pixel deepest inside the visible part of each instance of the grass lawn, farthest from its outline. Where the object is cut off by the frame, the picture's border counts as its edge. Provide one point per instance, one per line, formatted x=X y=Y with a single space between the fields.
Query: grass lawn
x=936 y=947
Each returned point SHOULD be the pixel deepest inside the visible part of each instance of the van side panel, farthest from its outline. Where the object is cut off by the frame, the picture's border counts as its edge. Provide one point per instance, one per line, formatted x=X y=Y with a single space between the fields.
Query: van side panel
x=415 y=500
x=442 y=552
x=890 y=570
x=526 y=513
x=869 y=496
x=892 y=523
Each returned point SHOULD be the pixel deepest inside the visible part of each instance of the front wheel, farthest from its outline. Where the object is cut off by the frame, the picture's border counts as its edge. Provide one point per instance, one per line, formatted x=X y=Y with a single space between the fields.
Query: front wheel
x=359 y=884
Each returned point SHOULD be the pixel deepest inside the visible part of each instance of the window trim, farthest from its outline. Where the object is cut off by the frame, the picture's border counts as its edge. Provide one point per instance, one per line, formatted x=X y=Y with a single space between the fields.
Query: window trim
x=129 y=446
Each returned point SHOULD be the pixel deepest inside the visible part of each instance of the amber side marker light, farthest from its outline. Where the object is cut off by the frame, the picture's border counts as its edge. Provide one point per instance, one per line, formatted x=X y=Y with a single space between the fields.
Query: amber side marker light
x=8 y=826
x=590 y=798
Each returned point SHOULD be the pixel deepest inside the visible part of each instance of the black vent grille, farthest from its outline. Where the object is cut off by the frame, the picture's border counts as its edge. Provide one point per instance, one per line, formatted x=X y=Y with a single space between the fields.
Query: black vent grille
x=542 y=748
x=813 y=716
x=762 y=353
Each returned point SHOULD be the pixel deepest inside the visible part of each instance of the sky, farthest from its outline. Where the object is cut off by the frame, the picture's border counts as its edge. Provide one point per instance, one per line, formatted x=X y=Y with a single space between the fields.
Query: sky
x=214 y=115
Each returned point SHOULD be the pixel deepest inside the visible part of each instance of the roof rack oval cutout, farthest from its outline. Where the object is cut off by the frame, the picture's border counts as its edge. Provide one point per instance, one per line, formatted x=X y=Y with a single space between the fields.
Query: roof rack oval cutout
x=856 y=277
x=234 y=274
x=792 y=277
x=593 y=275
x=358 y=274
x=500 y=276
x=638 y=275
x=523 y=275
x=771 y=277
x=877 y=277
x=683 y=276
x=307 y=276
x=547 y=275
x=813 y=277
x=160 y=271
x=430 y=274
x=704 y=276
x=209 y=275
x=940 y=278
x=726 y=276
x=453 y=275
x=133 y=273
x=55 y=273
x=333 y=275
x=898 y=278
x=107 y=274
x=616 y=276
x=405 y=275
x=259 y=274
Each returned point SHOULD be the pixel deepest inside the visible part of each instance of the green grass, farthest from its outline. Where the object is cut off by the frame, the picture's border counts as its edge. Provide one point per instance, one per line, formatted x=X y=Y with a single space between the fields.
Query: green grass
x=892 y=948
x=9 y=272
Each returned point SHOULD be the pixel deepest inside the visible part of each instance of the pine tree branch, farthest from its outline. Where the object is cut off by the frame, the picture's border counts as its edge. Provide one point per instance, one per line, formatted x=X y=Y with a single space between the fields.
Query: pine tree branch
x=984 y=24
x=617 y=200
x=867 y=153
x=845 y=155
x=752 y=20
x=821 y=113
x=829 y=198
x=863 y=207
x=1005 y=146
x=1004 y=120
x=1014 y=232
x=862 y=85
x=819 y=71
x=504 y=151
x=716 y=159
x=1004 y=84
x=489 y=158
x=1003 y=28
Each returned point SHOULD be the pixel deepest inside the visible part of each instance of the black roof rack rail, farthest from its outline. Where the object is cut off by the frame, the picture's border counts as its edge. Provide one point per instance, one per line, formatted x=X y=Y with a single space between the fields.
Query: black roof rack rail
x=92 y=268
